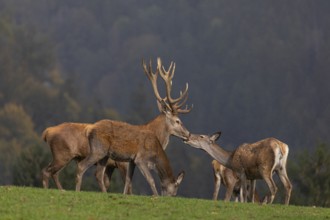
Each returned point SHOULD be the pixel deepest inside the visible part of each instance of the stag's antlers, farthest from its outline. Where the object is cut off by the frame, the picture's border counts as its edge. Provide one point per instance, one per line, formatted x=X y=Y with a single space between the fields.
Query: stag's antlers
x=173 y=104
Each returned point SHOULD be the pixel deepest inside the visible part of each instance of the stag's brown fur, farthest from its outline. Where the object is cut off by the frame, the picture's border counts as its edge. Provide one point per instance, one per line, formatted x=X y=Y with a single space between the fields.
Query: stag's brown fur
x=250 y=161
x=124 y=142
x=67 y=142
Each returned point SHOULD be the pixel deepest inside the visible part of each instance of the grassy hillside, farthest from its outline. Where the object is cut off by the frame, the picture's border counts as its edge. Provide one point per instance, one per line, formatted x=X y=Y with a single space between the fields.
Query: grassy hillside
x=36 y=203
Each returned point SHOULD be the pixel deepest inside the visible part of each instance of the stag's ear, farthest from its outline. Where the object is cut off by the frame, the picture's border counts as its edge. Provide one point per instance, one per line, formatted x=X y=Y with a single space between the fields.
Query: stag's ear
x=179 y=178
x=215 y=136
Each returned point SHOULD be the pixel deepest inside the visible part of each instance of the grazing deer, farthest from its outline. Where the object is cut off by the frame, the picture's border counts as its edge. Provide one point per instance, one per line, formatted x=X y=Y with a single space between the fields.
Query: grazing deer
x=163 y=126
x=125 y=142
x=68 y=142
x=250 y=161
x=227 y=177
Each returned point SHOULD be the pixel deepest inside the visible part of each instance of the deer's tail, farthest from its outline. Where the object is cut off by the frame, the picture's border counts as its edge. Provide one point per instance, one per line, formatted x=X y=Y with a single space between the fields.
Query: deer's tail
x=44 y=135
x=88 y=131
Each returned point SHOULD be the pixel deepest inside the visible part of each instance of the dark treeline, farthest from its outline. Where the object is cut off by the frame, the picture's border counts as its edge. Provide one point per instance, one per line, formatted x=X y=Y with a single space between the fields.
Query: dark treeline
x=255 y=69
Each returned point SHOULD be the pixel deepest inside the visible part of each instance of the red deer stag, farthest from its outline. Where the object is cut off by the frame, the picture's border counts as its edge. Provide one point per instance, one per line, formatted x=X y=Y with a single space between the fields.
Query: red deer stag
x=227 y=177
x=68 y=142
x=163 y=126
x=250 y=161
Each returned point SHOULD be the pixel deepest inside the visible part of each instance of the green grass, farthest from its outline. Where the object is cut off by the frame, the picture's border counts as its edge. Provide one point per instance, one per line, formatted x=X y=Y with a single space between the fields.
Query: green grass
x=36 y=203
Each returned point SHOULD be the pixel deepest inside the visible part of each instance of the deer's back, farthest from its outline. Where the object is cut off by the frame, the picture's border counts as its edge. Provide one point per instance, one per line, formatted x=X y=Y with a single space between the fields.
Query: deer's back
x=123 y=141
x=251 y=158
x=68 y=138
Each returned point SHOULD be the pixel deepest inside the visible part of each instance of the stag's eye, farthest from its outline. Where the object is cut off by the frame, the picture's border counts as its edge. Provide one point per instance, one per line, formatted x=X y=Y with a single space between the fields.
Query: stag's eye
x=177 y=121
x=201 y=136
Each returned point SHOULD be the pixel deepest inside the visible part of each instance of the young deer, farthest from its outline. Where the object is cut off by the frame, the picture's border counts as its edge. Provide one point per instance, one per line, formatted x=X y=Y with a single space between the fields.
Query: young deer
x=227 y=177
x=167 y=123
x=250 y=161
x=67 y=142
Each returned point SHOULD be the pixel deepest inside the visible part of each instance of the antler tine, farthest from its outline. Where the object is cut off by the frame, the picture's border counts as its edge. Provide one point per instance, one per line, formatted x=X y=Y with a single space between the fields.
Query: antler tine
x=167 y=76
x=170 y=72
x=168 y=81
x=182 y=95
x=153 y=78
x=181 y=102
x=186 y=110
x=183 y=99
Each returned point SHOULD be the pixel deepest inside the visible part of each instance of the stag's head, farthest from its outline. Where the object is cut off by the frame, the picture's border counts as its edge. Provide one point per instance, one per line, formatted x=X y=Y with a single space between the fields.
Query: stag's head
x=202 y=141
x=171 y=188
x=170 y=107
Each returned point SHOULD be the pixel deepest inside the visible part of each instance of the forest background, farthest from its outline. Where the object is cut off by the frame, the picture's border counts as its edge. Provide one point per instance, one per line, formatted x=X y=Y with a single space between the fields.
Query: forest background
x=255 y=69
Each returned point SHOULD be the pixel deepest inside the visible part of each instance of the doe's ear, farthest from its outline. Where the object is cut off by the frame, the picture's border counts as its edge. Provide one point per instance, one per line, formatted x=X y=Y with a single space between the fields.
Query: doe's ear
x=215 y=136
x=179 y=178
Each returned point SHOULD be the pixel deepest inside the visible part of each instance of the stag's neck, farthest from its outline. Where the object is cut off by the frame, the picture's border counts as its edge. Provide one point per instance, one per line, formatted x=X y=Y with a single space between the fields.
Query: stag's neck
x=158 y=126
x=220 y=154
x=164 y=169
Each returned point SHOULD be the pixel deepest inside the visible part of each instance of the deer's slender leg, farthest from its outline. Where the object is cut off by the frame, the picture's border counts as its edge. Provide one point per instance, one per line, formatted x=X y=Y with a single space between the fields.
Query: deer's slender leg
x=272 y=188
x=252 y=190
x=45 y=177
x=52 y=170
x=243 y=193
x=57 y=181
x=287 y=184
x=129 y=176
x=84 y=165
x=217 y=183
x=143 y=167
x=229 y=192
x=100 y=170
x=107 y=177
x=123 y=169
